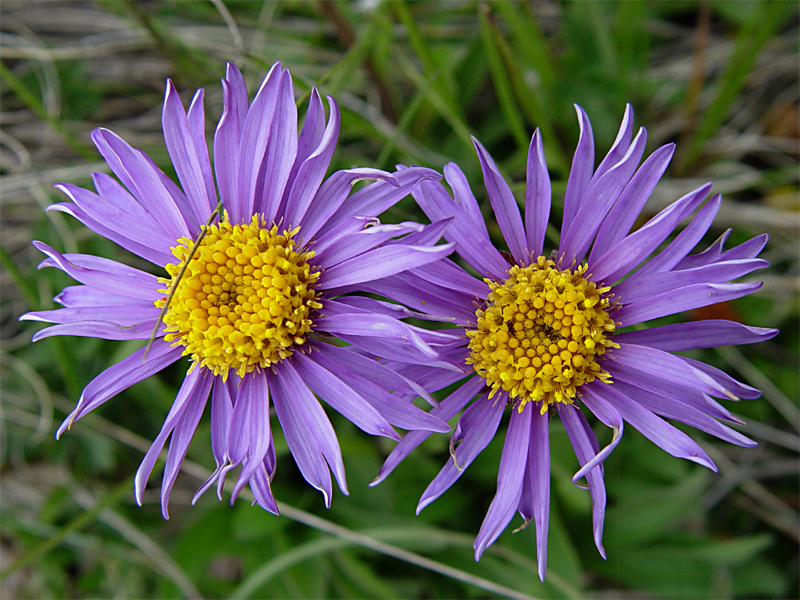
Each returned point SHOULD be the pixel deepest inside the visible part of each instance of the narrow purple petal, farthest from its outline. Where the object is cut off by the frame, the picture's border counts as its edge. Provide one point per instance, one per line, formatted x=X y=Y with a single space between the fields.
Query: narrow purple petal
x=311 y=171
x=654 y=362
x=281 y=152
x=750 y=249
x=308 y=431
x=102 y=273
x=254 y=393
x=635 y=248
x=685 y=241
x=620 y=146
x=446 y=272
x=358 y=242
x=585 y=445
x=699 y=334
x=734 y=389
x=475 y=430
x=100 y=329
x=537 y=196
x=535 y=501
x=661 y=433
x=504 y=205
x=631 y=201
x=197 y=131
x=681 y=299
x=672 y=409
x=183 y=151
x=381 y=262
x=181 y=438
x=468 y=229
x=447 y=409
x=262 y=491
x=707 y=256
x=342 y=397
x=120 y=377
x=221 y=412
x=226 y=149
x=603 y=192
x=379 y=196
x=192 y=388
x=395 y=409
x=593 y=399
x=80 y=296
x=669 y=282
x=111 y=191
x=142 y=180
x=509 y=479
x=581 y=172
x=252 y=144
x=124 y=316
x=327 y=203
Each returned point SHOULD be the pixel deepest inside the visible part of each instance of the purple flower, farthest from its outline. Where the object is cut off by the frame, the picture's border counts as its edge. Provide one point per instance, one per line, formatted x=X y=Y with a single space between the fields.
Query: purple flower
x=261 y=293
x=542 y=332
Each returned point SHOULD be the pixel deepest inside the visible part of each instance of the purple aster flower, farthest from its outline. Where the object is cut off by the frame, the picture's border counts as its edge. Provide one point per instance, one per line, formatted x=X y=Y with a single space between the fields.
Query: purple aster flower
x=261 y=292
x=542 y=332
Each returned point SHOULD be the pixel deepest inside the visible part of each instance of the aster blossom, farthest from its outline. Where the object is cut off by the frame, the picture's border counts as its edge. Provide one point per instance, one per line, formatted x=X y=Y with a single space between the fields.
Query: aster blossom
x=253 y=302
x=546 y=334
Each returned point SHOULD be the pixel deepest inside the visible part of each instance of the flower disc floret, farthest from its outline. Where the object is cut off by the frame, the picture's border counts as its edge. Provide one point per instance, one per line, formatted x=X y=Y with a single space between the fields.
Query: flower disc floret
x=245 y=300
x=541 y=333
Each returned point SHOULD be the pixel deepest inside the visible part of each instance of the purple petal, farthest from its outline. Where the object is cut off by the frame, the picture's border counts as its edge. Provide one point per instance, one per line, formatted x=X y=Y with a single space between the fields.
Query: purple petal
x=620 y=146
x=281 y=152
x=750 y=249
x=327 y=203
x=509 y=479
x=100 y=329
x=226 y=150
x=308 y=431
x=581 y=172
x=504 y=205
x=594 y=401
x=475 y=430
x=102 y=273
x=661 y=433
x=734 y=390
x=80 y=296
x=262 y=491
x=446 y=272
x=535 y=500
x=111 y=191
x=342 y=398
x=585 y=445
x=142 y=180
x=652 y=285
x=197 y=131
x=380 y=196
x=447 y=409
x=306 y=182
x=358 y=242
x=632 y=250
x=382 y=262
x=468 y=230
x=250 y=424
x=700 y=334
x=195 y=386
x=537 y=196
x=221 y=412
x=631 y=201
x=183 y=150
x=251 y=145
x=685 y=298
x=685 y=241
x=603 y=192
x=181 y=438
x=707 y=256
x=124 y=316
x=672 y=409
x=120 y=377
x=656 y=363
x=670 y=389
x=395 y=409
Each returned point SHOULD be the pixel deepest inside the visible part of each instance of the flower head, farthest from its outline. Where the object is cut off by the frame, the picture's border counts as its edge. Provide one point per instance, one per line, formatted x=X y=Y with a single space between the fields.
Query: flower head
x=545 y=334
x=251 y=289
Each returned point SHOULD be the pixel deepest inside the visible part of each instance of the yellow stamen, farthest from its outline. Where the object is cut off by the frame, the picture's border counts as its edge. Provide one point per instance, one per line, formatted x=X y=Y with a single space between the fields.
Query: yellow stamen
x=540 y=334
x=245 y=300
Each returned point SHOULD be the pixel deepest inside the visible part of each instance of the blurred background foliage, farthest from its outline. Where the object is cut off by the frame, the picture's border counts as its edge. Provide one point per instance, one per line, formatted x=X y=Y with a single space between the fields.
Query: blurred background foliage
x=414 y=80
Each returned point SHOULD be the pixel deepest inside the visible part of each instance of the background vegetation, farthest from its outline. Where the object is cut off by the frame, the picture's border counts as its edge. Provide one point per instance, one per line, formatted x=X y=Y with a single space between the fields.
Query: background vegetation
x=414 y=80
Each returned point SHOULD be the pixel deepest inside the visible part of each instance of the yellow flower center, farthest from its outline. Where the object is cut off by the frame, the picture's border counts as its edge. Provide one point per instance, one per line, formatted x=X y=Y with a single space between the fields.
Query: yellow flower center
x=245 y=300
x=541 y=334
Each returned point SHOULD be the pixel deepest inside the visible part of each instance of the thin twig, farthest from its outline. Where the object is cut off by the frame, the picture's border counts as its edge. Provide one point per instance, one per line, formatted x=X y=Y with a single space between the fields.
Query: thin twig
x=174 y=287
